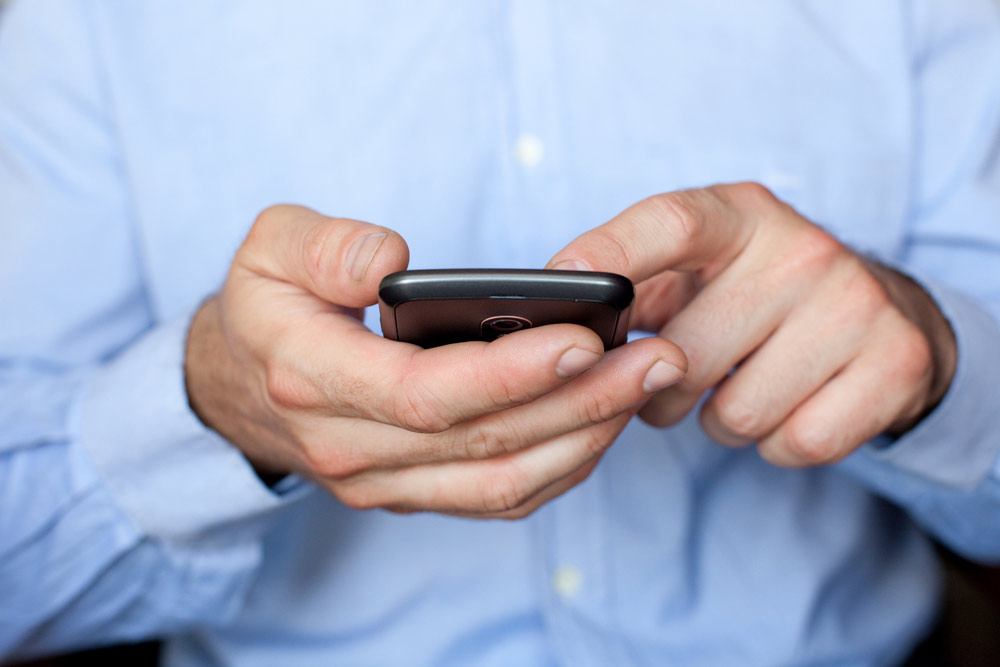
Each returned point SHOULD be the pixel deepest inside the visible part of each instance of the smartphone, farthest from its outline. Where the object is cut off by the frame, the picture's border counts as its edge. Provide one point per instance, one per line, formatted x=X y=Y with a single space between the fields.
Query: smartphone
x=437 y=307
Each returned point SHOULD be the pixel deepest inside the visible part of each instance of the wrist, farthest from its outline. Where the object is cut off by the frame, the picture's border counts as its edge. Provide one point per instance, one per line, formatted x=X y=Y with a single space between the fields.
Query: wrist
x=220 y=392
x=920 y=308
x=204 y=349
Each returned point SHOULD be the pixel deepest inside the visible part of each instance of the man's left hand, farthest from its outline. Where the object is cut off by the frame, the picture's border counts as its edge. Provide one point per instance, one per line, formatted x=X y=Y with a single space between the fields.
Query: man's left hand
x=811 y=349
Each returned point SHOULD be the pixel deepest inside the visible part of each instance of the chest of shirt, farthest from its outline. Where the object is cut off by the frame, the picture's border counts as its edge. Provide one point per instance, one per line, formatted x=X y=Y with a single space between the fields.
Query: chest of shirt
x=494 y=134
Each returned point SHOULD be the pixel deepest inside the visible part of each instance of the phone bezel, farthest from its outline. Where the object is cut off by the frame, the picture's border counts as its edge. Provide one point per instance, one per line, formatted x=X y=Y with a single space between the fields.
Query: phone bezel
x=600 y=287
x=513 y=286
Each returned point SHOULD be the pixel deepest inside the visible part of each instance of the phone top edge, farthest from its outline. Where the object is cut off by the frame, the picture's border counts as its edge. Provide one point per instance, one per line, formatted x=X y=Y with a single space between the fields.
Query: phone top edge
x=598 y=286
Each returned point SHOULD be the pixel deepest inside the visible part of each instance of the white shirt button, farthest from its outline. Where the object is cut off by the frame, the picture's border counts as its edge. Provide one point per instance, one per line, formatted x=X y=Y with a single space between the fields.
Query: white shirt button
x=566 y=581
x=529 y=150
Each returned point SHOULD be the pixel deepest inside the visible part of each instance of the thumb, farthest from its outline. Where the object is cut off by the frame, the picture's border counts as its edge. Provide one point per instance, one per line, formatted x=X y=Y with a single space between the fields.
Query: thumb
x=339 y=260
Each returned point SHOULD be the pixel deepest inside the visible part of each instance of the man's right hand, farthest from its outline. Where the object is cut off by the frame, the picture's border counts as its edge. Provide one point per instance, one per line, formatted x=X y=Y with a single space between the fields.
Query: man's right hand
x=280 y=364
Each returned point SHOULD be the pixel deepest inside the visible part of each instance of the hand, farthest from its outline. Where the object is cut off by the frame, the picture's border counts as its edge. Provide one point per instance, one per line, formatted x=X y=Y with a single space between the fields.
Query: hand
x=280 y=364
x=812 y=350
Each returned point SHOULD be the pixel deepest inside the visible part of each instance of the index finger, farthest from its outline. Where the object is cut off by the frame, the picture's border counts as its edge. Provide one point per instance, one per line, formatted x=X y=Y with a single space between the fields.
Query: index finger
x=689 y=230
x=360 y=374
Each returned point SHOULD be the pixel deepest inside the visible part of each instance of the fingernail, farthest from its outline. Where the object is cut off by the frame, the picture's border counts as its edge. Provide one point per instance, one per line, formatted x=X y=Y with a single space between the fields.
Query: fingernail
x=661 y=376
x=571 y=265
x=361 y=253
x=574 y=361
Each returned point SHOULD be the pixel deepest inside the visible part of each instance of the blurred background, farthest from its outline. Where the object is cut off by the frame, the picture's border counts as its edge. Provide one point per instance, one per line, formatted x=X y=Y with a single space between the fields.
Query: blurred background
x=968 y=634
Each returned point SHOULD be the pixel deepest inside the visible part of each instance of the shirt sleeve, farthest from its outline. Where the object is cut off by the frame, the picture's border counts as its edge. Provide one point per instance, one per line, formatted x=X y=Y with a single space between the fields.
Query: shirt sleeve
x=945 y=471
x=121 y=515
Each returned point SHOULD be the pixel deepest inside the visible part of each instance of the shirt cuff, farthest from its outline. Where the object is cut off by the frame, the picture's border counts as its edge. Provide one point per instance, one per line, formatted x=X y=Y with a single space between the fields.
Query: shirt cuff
x=174 y=477
x=956 y=444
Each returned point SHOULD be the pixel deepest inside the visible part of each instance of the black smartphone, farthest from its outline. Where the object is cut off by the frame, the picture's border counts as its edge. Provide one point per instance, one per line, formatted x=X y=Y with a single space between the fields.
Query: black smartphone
x=437 y=307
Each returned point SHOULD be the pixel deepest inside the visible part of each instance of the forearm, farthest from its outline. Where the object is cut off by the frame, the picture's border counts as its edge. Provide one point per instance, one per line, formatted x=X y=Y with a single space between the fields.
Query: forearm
x=123 y=516
x=83 y=574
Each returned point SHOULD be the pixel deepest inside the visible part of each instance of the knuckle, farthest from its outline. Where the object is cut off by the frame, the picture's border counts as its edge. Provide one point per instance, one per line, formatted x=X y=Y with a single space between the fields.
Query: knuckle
x=486 y=442
x=266 y=218
x=273 y=213
x=597 y=408
x=748 y=193
x=913 y=356
x=818 y=245
x=417 y=409
x=611 y=249
x=317 y=257
x=501 y=389
x=868 y=297
x=286 y=388
x=808 y=444
x=595 y=441
x=503 y=492
x=330 y=462
x=258 y=238
x=682 y=218
x=813 y=253
x=738 y=417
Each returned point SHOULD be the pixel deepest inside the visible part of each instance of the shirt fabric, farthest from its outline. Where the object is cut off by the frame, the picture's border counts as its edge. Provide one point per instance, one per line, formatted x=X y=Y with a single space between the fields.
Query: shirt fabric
x=138 y=140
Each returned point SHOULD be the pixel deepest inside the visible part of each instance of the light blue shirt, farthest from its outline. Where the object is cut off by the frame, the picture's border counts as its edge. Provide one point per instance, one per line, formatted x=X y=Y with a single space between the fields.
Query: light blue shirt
x=139 y=139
